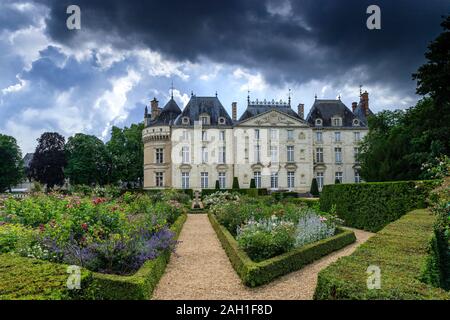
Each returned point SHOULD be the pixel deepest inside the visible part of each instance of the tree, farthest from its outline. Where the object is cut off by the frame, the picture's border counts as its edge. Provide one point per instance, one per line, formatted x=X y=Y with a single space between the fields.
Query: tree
x=314 y=188
x=127 y=153
x=88 y=161
x=11 y=165
x=49 y=160
x=236 y=183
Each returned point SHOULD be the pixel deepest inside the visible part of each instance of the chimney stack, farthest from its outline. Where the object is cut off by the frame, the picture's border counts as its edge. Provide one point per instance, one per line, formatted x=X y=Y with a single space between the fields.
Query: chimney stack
x=301 y=110
x=354 y=106
x=234 y=111
x=365 y=102
x=154 y=109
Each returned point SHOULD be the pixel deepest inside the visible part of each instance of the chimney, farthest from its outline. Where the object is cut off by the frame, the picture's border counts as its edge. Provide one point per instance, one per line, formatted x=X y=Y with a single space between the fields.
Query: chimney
x=301 y=110
x=365 y=102
x=234 y=111
x=154 y=109
x=354 y=106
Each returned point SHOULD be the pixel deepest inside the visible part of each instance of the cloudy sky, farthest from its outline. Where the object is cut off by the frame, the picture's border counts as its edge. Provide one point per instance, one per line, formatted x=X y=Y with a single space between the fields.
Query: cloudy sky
x=127 y=52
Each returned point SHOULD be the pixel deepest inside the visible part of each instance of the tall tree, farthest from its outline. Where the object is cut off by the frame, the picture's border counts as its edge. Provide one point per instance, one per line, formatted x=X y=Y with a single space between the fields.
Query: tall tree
x=49 y=160
x=127 y=153
x=88 y=161
x=11 y=165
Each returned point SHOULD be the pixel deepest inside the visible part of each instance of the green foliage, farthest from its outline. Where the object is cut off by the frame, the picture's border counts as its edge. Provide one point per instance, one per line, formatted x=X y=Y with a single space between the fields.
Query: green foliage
x=254 y=274
x=371 y=206
x=217 y=186
x=49 y=160
x=399 y=250
x=11 y=164
x=88 y=160
x=11 y=236
x=236 y=183
x=314 y=188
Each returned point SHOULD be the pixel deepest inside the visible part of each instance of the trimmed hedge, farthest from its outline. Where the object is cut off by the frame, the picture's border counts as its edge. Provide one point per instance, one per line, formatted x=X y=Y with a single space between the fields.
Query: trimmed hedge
x=249 y=192
x=310 y=202
x=400 y=250
x=254 y=274
x=371 y=206
x=24 y=278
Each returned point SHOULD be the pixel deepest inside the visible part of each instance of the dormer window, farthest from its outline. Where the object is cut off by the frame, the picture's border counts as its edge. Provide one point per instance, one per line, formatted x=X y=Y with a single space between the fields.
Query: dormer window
x=319 y=122
x=221 y=120
x=355 y=122
x=336 y=122
x=185 y=120
x=204 y=119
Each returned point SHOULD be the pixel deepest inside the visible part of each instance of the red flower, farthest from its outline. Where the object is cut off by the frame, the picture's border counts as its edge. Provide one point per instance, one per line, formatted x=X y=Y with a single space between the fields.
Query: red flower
x=41 y=227
x=84 y=226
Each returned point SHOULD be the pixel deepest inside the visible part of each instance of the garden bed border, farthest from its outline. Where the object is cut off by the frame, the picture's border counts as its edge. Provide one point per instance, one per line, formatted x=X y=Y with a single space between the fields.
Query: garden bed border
x=254 y=274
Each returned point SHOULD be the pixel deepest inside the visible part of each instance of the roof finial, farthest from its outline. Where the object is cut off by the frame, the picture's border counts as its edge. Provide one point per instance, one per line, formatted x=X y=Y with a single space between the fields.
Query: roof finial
x=339 y=96
x=360 y=90
x=171 y=90
x=192 y=93
x=315 y=96
x=289 y=100
x=248 y=97
x=216 y=93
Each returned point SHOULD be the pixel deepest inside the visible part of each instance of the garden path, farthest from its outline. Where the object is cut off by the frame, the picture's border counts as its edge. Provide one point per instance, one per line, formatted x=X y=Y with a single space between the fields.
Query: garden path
x=200 y=270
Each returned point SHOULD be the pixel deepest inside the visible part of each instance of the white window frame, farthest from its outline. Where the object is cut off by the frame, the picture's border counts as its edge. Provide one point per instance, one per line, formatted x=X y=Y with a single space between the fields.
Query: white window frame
x=274 y=153
x=339 y=175
x=338 y=154
x=319 y=136
x=204 y=135
x=257 y=134
x=159 y=155
x=357 y=136
x=185 y=156
x=273 y=134
x=337 y=136
x=257 y=177
x=222 y=135
x=274 y=180
x=257 y=153
x=320 y=180
x=204 y=180
x=291 y=179
x=290 y=153
x=204 y=151
x=222 y=180
x=357 y=176
x=319 y=155
x=185 y=180
x=159 y=179
x=222 y=155
x=290 y=134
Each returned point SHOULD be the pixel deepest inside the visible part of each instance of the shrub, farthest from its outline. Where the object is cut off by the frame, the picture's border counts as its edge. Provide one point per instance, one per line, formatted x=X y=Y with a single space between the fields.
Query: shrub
x=236 y=183
x=314 y=188
x=312 y=227
x=399 y=250
x=252 y=184
x=371 y=206
x=11 y=235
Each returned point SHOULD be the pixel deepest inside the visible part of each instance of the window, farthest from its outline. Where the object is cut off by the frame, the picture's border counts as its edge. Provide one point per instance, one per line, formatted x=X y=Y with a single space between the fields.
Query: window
x=257 y=153
x=204 y=181
x=337 y=122
x=290 y=153
x=319 y=179
x=274 y=153
x=274 y=180
x=356 y=154
x=222 y=135
x=319 y=136
x=257 y=134
x=185 y=180
x=355 y=122
x=257 y=176
x=185 y=120
x=290 y=179
x=159 y=155
x=338 y=176
x=357 y=177
x=273 y=134
x=204 y=155
x=222 y=181
x=318 y=122
x=290 y=134
x=337 y=136
x=222 y=156
x=357 y=136
x=204 y=120
x=185 y=135
x=185 y=154
x=319 y=155
x=221 y=120
x=338 y=155
x=204 y=135
x=159 y=179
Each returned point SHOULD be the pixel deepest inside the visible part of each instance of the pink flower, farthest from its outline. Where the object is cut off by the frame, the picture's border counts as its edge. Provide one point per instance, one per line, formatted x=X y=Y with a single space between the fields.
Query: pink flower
x=323 y=219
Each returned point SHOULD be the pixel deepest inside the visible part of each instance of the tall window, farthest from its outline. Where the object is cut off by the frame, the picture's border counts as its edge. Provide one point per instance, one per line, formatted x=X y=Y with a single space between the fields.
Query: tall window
x=274 y=153
x=185 y=135
x=273 y=134
x=319 y=136
x=337 y=122
x=185 y=180
x=319 y=155
x=274 y=180
x=257 y=134
x=204 y=120
x=356 y=154
x=338 y=176
x=159 y=179
x=257 y=176
x=204 y=181
x=185 y=154
x=357 y=136
x=290 y=179
x=319 y=179
x=204 y=154
x=204 y=135
x=222 y=155
x=290 y=153
x=338 y=155
x=159 y=155
x=222 y=181
x=290 y=134
x=257 y=153
x=337 y=136
x=357 y=177
x=222 y=135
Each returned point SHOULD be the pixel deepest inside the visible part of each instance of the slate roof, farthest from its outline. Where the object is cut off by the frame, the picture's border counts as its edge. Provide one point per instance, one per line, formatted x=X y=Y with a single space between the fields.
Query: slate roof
x=256 y=108
x=359 y=112
x=168 y=114
x=27 y=159
x=208 y=105
x=326 y=109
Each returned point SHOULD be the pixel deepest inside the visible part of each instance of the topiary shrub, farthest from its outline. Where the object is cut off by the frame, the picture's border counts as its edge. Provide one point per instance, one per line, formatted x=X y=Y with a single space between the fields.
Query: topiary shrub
x=252 y=184
x=236 y=183
x=217 y=187
x=314 y=188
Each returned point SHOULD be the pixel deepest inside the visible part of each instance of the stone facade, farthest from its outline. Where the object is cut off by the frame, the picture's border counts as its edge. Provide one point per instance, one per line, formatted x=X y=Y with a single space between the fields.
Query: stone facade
x=194 y=148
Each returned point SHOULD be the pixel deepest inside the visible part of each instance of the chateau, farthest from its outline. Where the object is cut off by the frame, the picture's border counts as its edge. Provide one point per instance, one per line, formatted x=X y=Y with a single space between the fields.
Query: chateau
x=271 y=143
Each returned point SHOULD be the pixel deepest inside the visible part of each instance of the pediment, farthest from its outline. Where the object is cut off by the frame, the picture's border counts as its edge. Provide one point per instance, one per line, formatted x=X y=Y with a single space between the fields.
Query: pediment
x=274 y=118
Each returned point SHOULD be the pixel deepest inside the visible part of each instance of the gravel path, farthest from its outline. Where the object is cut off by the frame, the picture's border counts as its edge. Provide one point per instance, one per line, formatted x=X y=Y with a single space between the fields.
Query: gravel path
x=200 y=270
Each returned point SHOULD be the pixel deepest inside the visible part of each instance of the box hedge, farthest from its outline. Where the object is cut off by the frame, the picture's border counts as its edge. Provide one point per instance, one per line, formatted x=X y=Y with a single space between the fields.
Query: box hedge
x=254 y=274
x=400 y=250
x=371 y=206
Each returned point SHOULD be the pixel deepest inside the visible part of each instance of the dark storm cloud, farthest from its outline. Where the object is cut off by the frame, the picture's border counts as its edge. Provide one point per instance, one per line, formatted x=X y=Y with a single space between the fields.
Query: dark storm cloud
x=313 y=40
